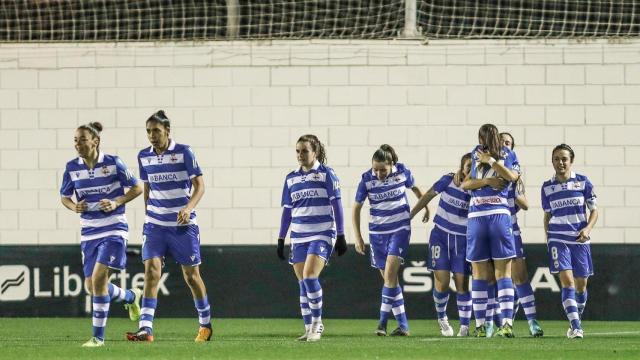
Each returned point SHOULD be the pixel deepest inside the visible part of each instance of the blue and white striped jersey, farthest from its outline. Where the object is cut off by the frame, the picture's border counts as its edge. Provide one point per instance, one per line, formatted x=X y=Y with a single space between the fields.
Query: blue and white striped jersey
x=567 y=202
x=514 y=208
x=453 y=208
x=106 y=180
x=388 y=199
x=169 y=178
x=485 y=200
x=309 y=196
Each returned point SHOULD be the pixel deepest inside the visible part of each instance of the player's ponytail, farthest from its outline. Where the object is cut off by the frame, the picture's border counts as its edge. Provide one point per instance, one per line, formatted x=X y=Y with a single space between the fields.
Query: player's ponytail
x=385 y=154
x=316 y=146
x=490 y=138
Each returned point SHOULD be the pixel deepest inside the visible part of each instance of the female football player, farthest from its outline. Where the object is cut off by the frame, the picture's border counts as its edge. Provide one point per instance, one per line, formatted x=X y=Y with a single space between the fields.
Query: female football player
x=565 y=200
x=385 y=186
x=312 y=207
x=448 y=244
x=98 y=181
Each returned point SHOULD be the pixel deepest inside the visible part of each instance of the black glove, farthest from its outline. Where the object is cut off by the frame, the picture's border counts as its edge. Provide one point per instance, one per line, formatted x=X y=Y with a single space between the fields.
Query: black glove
x=341 y=245
x=280 y=249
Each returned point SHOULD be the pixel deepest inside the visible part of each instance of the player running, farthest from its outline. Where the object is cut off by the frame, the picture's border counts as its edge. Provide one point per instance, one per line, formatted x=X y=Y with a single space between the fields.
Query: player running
x=489 y=233
x=524 y=292
x=448 y=244
x=565 y=199
x=173 y=186
x=311 y=206
x=385 y=186
x=98 y=181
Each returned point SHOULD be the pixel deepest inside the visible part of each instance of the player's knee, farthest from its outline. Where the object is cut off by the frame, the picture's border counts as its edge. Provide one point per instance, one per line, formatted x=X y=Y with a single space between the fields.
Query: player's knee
x=192 y=278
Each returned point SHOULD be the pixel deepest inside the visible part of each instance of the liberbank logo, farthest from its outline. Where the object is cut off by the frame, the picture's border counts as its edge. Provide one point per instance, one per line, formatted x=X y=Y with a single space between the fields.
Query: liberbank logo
x=15 y=283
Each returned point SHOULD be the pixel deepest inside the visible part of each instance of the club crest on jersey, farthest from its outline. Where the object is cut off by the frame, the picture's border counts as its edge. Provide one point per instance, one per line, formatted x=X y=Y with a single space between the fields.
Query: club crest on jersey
x=77 y=174
x=105 y=170
x=174 y=158
x=316 y=177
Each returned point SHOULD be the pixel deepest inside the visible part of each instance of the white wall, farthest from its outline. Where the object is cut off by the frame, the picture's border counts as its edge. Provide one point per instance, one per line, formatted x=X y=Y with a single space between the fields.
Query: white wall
x=242 y=105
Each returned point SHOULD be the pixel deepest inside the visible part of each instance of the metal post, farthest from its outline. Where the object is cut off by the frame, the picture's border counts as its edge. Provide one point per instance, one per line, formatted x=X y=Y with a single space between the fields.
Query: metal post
x=233 y=19
x=410 y=17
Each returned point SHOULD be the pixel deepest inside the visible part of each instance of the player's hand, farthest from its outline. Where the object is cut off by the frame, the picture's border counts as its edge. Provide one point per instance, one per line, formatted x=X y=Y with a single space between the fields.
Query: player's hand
x=426 y=216
x=584 y=235
x=341 y=245
x=184 y=216
x=483 y=156
x=496 y=183
x=81 y=206
x=360 y=246
x=280 y=249
x=107 y=205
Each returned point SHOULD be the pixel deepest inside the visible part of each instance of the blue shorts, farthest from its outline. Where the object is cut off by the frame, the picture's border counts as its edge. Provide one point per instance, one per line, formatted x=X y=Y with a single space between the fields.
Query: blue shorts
x=300 y=251
x=181 y=242
x=517 y=239
x=447 y=252
x=490 y=237
x=576 y=257
x=383 y=245
x=110 y=251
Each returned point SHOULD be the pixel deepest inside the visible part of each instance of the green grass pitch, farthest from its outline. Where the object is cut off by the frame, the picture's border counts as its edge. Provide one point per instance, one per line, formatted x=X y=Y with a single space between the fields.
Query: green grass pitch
x=60 y=338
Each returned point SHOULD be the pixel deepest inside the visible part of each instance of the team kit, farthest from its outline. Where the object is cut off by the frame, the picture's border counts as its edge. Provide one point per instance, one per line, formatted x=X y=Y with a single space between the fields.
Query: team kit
x=475 y=238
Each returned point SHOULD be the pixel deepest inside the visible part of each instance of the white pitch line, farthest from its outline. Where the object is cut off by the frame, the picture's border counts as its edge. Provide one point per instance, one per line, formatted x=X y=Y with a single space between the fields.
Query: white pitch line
x=613 y=333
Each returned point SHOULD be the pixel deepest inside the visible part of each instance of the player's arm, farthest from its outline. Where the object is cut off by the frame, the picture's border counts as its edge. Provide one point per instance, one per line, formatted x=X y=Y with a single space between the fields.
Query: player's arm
x=146 y=193
x=585 y=233
x=355 y=217
x=78 y=207
x=423 y=202
x=198 y=191
x=545 y=223
x=470 y=183
x=110 y=205
x=499 y=168
x=521 y=198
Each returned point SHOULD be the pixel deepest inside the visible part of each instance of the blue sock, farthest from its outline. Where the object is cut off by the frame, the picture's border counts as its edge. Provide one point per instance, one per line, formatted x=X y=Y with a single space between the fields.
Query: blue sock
x=516 y=304
x=505 y=299
x=386 y=304
x=527 y=300
x=304 y=305
x=314 y=295
x=464 y=308
x=100 y=314
x=147 y=312
x=479 y=299
x=491 y=305
x=398 y=309
x=204 y=311
x=581 y=299
x=118 y=294
x=440 y=300
x=571 y=307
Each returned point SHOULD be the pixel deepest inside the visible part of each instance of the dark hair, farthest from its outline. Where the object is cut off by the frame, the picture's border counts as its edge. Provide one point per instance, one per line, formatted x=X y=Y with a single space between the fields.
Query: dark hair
x=161 y=118
x=564 y=147
x=316 y=146
x=95 y=128
x=463 y=160
x=490 y=139
x=513 y=141
x=386 y=154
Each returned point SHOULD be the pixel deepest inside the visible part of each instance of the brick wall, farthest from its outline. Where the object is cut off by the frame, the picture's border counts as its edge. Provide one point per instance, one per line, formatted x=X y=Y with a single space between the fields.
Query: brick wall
x=242 y=105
